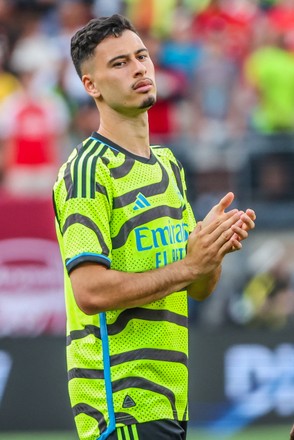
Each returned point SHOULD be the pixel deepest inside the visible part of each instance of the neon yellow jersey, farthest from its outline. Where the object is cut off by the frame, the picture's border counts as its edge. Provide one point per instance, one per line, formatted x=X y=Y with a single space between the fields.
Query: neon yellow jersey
x=130 y=214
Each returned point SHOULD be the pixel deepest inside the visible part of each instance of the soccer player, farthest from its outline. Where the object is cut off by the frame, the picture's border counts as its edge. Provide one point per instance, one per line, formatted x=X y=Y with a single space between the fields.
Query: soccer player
x=131 y=251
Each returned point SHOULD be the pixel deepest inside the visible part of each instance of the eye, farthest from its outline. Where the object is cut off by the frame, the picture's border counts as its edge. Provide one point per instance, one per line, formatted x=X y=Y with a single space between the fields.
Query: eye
x=119 y=64
x=142 y=56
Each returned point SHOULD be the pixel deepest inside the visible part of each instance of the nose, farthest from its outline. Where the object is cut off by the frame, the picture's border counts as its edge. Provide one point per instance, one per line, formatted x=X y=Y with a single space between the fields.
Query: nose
x=139 y=67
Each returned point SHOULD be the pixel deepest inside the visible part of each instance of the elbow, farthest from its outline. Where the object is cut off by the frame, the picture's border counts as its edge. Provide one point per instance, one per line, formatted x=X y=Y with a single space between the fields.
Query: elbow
x=89 y=288
x=87 y=309
x=90 y=304
x=199 y=296
x=200 y=293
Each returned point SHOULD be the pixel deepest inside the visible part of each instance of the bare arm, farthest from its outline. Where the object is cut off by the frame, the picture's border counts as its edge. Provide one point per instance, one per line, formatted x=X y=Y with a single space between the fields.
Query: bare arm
x=99 y=289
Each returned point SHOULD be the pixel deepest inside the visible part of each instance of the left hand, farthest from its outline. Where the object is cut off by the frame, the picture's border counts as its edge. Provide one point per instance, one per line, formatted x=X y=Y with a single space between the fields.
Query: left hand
x=242 y=227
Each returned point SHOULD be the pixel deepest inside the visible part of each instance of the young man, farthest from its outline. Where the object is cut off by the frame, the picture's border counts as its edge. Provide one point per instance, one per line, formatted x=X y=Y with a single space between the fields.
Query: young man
x=131 y=251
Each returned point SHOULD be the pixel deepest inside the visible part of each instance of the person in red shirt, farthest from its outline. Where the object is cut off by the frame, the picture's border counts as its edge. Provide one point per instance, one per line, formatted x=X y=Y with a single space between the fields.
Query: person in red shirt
x=281 y=18
x=33 y=121
x=235 y=19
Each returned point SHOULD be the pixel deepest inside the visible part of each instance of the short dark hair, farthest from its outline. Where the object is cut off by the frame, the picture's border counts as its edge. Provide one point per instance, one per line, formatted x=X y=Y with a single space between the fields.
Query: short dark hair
x=85 y=40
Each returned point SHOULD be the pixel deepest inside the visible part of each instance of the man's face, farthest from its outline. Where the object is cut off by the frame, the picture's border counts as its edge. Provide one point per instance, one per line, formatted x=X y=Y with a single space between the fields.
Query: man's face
x=121 y=75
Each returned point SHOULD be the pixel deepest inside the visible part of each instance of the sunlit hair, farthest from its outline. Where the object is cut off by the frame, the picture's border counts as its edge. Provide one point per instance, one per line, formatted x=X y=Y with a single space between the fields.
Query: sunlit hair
x=85 y=40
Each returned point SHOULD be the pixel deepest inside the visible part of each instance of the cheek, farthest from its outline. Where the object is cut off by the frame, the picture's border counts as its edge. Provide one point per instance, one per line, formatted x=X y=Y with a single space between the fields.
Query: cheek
x=150 y=69
x=113 y=88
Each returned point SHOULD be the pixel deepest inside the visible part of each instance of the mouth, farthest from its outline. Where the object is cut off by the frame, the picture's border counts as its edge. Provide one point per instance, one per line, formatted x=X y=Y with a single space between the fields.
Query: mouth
x=143 y=85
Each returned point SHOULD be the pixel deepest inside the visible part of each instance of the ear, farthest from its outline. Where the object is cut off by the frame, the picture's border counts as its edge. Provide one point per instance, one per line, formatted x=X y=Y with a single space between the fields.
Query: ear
x=90 y=86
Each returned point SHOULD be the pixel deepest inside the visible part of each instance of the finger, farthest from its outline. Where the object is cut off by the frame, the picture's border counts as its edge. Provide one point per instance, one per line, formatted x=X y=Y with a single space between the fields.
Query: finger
x=220 y=222
x=230 y=246
x=235 y=234
x=241 y=233
x=225 y=202
x=222 y=227
x=223 y=240
x=221 y=237
x=251 y=214
x=248 y=222
x=236 y=245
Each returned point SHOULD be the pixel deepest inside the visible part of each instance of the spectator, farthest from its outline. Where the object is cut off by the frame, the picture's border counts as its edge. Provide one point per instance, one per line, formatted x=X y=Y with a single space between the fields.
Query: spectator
x=265 y=299
x=180 y=50
x=269 y=72
x=71 y=15
x=8 y=81
x=84 y=120
x=33 y=121
x=281 y=18
x=151 y=15
x=165 y=117
x=105 y=8
x=215 y=89
x=235 y=18
x=8 y=84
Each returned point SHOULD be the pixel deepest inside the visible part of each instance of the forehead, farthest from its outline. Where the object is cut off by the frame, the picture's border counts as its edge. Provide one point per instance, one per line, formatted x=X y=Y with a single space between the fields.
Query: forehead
x=126 y=44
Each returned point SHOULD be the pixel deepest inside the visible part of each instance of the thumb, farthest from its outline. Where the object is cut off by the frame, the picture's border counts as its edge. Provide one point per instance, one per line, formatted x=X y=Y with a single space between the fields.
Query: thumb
x=225 y=202
x=219 y=208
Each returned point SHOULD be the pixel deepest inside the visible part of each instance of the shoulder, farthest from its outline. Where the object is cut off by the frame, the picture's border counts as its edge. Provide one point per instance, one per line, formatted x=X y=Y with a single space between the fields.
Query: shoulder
x=86 y=154
x=77 y=174
x=165 y=153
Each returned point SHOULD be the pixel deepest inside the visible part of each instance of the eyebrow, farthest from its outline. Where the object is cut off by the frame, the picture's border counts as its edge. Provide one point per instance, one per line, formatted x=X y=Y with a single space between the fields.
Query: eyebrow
x=123 y=56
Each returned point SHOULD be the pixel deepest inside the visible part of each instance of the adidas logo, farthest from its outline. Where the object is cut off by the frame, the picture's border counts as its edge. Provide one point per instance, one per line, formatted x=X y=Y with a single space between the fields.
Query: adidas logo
x=128 y=402
x=141 y=202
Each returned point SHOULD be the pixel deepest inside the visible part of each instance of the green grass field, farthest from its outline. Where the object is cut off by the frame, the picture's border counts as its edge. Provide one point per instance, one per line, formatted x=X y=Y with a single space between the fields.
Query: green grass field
x=259 y=433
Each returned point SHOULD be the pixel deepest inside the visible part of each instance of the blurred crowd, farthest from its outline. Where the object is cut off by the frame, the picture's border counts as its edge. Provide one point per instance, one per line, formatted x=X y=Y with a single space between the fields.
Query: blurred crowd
x=225 y=77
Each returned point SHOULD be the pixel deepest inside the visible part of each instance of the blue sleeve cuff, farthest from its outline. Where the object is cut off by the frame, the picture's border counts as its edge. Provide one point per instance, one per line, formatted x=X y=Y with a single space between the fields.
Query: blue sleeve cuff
x=71 y=263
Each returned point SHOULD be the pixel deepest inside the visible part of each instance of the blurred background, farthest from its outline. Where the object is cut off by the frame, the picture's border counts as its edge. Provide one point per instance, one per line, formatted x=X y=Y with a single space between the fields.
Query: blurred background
x=225 y=76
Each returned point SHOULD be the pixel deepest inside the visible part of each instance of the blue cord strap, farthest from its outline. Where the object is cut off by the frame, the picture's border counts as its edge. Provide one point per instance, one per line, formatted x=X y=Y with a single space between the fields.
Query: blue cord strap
x=107 y=376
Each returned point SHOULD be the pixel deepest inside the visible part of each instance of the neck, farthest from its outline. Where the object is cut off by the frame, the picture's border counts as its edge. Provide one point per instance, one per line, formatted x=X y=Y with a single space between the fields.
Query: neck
x=129 y=132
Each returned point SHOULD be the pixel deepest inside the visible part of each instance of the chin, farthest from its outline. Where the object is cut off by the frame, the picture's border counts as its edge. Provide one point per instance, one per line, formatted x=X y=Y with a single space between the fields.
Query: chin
x=148 y=102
